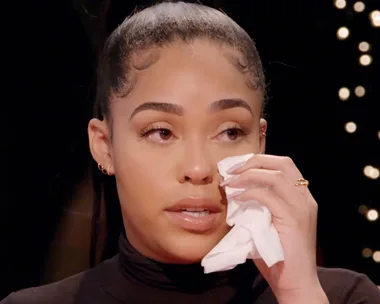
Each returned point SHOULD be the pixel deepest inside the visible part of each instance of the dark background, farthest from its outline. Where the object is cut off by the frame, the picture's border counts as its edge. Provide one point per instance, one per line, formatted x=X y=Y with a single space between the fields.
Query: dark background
x=50 y=50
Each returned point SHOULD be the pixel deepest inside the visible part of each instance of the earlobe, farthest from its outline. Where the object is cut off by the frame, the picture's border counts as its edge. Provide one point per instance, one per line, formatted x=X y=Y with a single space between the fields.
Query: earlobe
x=100 y=144
x=263 y=134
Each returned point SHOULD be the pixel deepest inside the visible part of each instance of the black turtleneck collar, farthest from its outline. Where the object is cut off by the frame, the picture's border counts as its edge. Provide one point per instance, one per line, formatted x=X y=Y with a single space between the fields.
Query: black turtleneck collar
x=183 y=278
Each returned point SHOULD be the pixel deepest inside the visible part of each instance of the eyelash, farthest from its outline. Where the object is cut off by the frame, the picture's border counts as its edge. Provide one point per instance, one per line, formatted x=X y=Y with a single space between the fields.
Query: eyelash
x=148 y=130
x=242 y=132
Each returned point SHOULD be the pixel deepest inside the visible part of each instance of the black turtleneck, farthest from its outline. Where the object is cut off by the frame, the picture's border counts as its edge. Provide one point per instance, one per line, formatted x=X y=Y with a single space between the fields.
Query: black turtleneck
x=132 y=278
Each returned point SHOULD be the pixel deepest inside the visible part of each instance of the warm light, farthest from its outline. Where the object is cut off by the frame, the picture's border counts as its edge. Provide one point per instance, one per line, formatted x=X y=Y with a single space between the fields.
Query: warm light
x=375 y=18
x=372 y=215
x=375 y=173
x=341 y=4
x=371 y=172
x=364 y=46
x=359 y=7
x=350 y=127
x=367 y=253
x=359 y=91
x=343 y=33
x=344 y=93
x=376 y=256
x=365 y=60
x=368 y=170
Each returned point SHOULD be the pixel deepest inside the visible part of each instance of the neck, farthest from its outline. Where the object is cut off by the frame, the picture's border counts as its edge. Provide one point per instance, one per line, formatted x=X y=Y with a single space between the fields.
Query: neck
x=189 y=278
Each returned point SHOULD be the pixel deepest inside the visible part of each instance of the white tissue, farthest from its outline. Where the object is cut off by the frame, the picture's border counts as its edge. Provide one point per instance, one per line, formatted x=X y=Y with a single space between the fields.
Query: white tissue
x=252 y=236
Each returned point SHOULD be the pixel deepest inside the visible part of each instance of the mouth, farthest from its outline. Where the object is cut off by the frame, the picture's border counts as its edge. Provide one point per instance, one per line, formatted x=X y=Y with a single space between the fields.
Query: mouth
x=195 y=214
x=194 y=204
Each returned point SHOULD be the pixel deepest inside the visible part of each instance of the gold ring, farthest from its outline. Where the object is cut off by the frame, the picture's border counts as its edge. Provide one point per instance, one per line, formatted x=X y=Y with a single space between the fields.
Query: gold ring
x=302 y=182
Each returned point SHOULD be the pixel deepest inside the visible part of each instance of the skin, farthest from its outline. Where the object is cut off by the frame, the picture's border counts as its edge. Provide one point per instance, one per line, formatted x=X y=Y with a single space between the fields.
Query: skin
x=155 y=171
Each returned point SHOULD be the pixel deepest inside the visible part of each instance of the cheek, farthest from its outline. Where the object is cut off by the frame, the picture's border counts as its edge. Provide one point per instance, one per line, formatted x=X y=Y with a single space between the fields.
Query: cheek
x=143 y=179
x=133 y=158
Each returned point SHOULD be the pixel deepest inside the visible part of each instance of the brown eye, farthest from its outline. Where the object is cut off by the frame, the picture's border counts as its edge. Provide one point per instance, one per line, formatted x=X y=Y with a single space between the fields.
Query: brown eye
x=158 y=135
x=233 y=134
x=165 y=134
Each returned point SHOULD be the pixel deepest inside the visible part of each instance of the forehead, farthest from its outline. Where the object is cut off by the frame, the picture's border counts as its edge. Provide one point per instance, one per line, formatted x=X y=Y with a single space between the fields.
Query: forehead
x=198 y=72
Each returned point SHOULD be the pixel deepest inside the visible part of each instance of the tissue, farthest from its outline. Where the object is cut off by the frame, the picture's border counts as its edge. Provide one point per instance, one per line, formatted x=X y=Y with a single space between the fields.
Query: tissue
x=252 y=235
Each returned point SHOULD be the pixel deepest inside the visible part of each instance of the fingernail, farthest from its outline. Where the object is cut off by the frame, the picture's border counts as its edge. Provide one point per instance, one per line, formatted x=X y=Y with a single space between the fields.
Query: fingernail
x=228 y=180
x=234 y=194
x=235 y=167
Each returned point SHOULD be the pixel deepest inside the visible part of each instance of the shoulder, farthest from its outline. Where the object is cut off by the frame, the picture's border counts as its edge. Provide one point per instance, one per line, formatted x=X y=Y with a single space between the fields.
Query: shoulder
x=66 y=291
x=58 y=292
x=346 y=286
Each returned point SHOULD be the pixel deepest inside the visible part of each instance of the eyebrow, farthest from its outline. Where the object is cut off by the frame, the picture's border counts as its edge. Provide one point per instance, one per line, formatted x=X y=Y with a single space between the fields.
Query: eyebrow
x=175 y=109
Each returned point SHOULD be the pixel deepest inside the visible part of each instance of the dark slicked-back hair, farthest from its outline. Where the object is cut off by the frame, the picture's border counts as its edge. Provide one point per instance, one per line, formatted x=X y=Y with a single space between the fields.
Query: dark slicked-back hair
x=158 y=26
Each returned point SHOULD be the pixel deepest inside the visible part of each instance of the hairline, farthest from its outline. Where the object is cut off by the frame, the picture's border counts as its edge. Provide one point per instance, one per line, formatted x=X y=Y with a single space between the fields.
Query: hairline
x=154 y=57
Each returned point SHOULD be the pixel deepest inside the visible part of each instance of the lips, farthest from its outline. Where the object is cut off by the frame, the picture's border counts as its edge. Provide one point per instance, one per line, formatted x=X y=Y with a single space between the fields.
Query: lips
x=195 y=214
x=196 y=204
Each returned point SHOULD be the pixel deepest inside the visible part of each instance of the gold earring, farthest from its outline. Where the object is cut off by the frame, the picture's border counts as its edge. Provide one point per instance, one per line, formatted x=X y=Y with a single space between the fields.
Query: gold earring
x=101 y=168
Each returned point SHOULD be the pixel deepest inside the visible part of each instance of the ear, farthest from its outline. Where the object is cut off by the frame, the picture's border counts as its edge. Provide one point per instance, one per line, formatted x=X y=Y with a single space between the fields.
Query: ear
x=99 y=137
x=263 y=133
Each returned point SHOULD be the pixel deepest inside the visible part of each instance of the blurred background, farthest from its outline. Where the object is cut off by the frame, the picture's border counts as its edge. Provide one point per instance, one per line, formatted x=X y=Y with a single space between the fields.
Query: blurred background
x=322 y=62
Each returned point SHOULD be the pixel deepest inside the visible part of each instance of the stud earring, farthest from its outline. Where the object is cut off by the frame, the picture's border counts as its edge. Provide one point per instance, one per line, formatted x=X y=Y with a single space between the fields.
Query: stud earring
x=102 y=169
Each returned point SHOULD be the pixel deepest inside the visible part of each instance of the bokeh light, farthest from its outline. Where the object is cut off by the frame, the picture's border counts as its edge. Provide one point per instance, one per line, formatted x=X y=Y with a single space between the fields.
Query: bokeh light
x=376 y=256
x=342 y=33
x=367 y=252
x=364 y=46
x=372 y=215
x=359 y=6
x=365 y=60
x=375 y=18
x=359 y=91
x=344 y=93
x=341 y=4
x=371 y=172
x=350 y=127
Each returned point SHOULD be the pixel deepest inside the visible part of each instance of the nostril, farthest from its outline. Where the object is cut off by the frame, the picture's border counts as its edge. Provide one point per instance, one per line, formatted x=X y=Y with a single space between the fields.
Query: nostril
x=203 y=181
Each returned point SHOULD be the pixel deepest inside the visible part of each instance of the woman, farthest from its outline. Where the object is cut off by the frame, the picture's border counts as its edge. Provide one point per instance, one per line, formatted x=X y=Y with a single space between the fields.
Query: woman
x=181 y=87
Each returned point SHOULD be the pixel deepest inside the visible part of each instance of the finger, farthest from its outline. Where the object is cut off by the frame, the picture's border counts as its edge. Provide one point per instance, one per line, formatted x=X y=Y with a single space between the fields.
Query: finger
x=272 y=162
x=270 y=178
x=276 y=205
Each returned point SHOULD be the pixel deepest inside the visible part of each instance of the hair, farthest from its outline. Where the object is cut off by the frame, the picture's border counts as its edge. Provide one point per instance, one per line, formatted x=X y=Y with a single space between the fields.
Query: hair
x=158 y=26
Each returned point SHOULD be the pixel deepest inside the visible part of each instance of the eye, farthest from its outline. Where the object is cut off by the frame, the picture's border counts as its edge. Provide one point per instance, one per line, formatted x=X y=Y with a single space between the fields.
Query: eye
x=231 y=134
x=157 y=134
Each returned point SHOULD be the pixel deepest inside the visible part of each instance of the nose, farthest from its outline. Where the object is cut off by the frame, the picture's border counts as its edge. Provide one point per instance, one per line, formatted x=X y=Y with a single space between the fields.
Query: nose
x=197 y=167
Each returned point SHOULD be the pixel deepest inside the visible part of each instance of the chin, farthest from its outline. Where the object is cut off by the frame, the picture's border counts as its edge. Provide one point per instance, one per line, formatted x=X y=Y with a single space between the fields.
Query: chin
x=192 y=248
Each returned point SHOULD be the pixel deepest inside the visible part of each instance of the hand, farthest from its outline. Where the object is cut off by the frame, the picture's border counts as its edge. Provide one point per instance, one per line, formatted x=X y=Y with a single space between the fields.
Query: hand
x=271 y=180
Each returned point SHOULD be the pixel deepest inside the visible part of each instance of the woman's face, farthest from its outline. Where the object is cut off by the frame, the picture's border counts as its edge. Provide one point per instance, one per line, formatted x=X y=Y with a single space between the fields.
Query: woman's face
x=188 y=110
